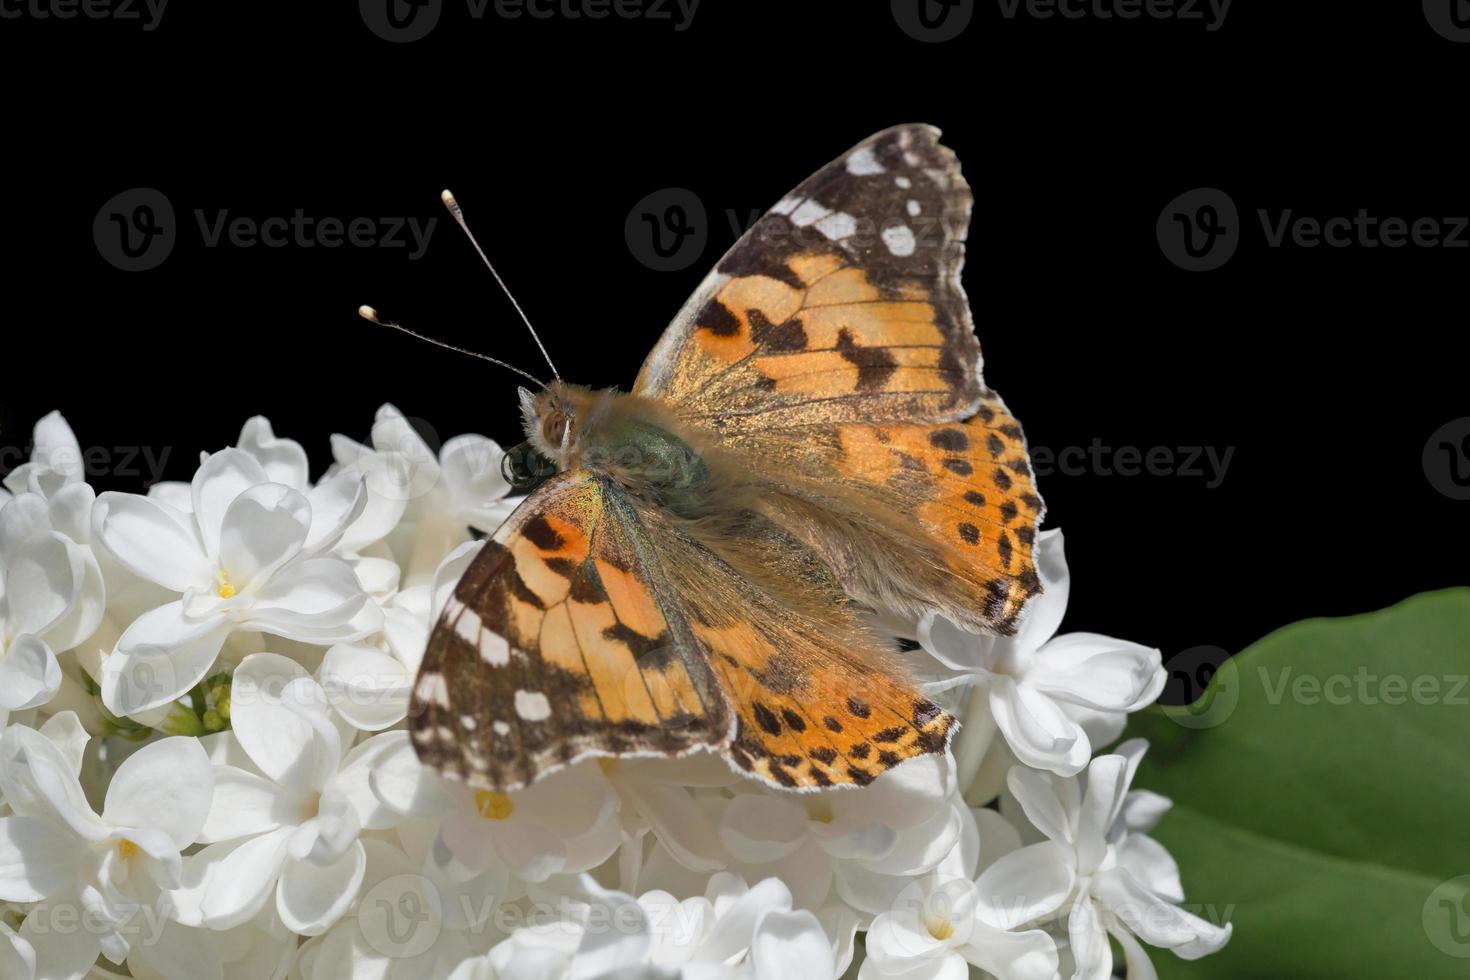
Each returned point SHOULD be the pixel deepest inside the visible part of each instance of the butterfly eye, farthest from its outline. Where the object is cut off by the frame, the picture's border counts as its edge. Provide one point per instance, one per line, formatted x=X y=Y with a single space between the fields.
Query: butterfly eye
x=525 y=469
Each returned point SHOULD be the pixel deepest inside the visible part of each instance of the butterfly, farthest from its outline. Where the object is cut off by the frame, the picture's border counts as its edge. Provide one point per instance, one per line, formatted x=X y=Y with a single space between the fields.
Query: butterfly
x=698 y=560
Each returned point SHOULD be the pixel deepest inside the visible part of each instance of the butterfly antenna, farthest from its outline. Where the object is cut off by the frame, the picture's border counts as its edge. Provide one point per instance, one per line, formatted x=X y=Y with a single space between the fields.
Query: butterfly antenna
x=454 y=209
x=370 y=314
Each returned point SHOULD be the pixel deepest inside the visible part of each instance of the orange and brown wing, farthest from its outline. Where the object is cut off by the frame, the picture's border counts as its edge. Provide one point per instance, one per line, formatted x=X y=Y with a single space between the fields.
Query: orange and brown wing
x=843 y=303
x=561 y=642
x=834 y=345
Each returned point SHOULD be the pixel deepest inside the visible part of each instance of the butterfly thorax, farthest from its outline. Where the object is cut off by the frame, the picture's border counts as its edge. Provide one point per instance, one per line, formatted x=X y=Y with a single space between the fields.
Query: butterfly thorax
x=622 y=437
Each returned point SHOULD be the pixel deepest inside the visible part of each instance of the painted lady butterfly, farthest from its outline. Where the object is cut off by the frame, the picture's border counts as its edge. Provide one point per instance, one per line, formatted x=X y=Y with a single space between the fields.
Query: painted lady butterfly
x=809 y=440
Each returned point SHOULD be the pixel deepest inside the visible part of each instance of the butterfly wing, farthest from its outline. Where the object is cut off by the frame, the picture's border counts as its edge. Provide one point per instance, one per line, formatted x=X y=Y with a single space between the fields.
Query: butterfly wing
x=560 y=642
x=833 y=345
x=595 y=624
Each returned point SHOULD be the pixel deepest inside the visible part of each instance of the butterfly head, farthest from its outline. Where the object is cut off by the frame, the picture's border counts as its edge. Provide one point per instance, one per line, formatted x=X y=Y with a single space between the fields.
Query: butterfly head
x=559 y=420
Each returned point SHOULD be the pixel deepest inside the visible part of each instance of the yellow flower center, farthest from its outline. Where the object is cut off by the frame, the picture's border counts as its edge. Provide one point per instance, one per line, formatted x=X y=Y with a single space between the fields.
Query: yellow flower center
x=225 y=590
x=819 y=809
x=941 y=930
x=492 y=805
x=126 y=849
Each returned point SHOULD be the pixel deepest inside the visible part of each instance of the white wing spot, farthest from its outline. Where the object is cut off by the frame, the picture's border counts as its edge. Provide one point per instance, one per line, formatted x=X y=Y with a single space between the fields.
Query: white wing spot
x=467 y=626
x=862 y=163
x=532 y=706
x=838 y=226
x=900 y=240
x=434 y=690
x=501 y=728
x=467 y=722
x=914 y=209
x=494 y=650
x=903 y=182
x=786 y=205
x=809 y=212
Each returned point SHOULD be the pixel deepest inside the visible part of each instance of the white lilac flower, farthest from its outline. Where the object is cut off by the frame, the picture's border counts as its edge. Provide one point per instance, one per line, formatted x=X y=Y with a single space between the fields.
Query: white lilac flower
x=1099 y=869
x=289 y=806
x=51 y=599
x=1042 y=690
x=113 y=867
x=655 y=795
x=902 y=823
x=422 y=503
x=56 y=460
x=252 y=556
x=937 y=926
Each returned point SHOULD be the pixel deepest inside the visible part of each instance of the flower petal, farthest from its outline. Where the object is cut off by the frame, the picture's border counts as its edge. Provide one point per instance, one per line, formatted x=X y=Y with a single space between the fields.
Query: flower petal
x=336 y=502
x=790 y=944
x=29 y=674
x=280 y=716
x=283 y=460
x=243 y=804
x=312 y=897
x=367 y=687
x=1098 y=672
x=758 y=829
x=151 y=539
x=1025 y=885
x=471 y=472
x=262 y=529
x=166 y=786
x=1036 y=728
x=159 y=657
x=39 y=859
x=221 y=478
x=1088 y=942
x=41 y=581
x=242 y=879
x=317 y=600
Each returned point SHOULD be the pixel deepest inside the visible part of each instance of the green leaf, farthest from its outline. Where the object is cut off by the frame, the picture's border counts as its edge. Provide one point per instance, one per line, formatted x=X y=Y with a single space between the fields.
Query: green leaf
x=1321 y=794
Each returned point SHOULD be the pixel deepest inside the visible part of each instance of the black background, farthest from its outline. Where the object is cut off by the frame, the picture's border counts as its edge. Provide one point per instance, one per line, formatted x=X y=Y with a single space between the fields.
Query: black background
x=1326 y=369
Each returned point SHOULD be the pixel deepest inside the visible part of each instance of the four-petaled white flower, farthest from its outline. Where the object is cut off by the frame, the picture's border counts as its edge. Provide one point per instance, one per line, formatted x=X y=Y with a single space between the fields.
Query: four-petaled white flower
x=289 y=805
x=1099 y=868
x=252 y=555
x=111 y=867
